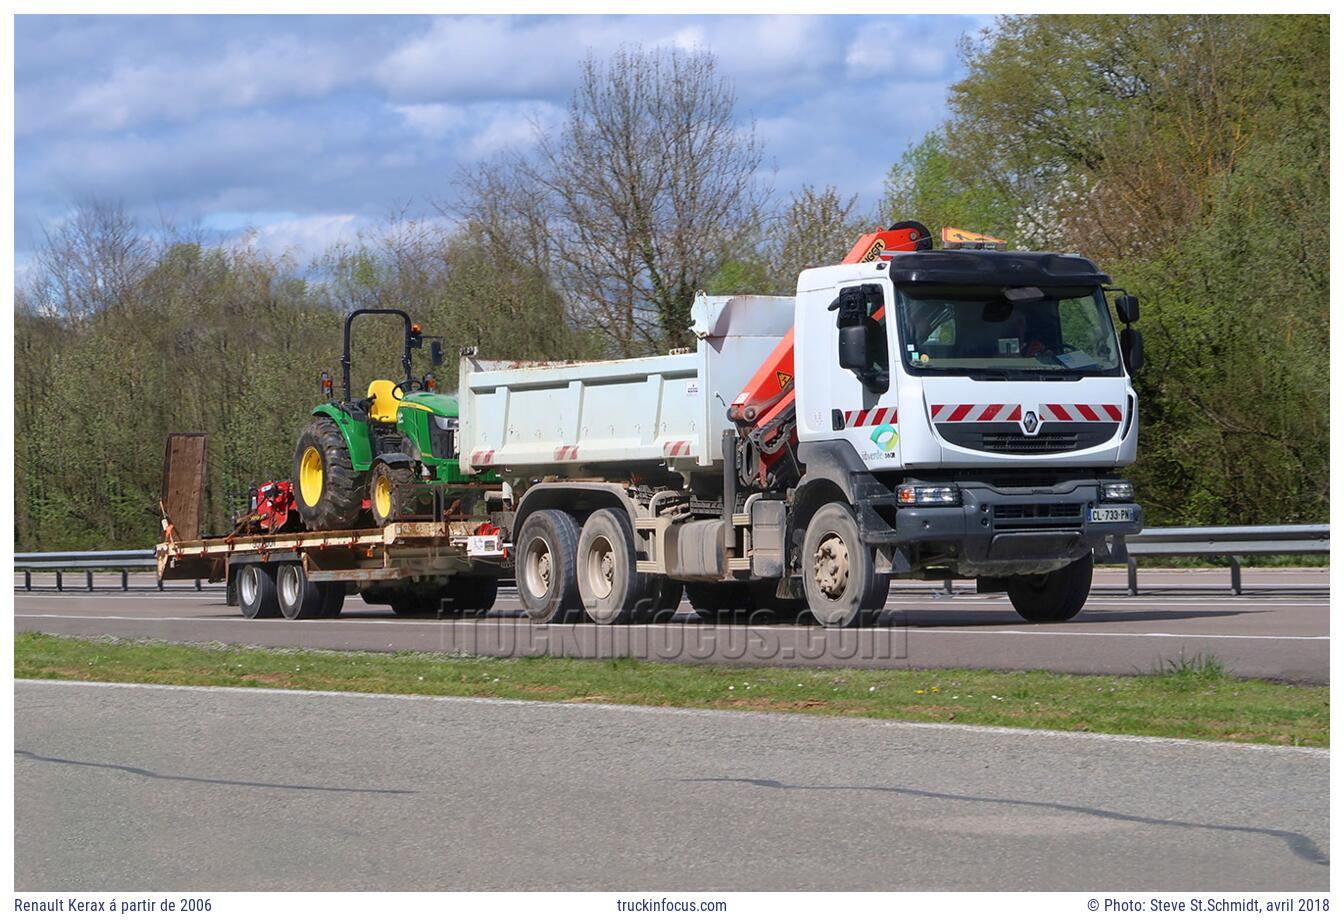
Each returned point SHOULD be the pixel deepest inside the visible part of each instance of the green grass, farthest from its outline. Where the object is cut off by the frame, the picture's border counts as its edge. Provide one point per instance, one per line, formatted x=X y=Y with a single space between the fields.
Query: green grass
x=1186 y=698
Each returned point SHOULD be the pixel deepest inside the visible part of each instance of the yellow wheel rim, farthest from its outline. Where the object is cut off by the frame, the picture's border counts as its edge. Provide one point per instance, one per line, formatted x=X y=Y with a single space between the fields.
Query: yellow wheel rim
x=382 y=497
x=310 y=476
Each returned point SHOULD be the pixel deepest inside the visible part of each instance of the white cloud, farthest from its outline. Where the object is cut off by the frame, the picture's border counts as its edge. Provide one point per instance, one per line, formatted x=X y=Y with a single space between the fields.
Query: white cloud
x=304 y=238
x=890 y=49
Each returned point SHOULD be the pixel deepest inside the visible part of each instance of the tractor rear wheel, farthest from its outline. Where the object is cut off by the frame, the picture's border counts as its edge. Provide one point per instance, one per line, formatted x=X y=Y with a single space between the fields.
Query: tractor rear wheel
x=326 y=488
x=390 y=497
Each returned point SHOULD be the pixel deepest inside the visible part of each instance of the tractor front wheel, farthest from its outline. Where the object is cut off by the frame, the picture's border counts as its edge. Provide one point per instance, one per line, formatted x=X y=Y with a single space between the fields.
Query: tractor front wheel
x=390 y=496
x=326 y=488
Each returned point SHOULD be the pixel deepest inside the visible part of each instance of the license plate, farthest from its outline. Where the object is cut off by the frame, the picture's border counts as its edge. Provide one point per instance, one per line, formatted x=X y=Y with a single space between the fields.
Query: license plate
x=1110 y=515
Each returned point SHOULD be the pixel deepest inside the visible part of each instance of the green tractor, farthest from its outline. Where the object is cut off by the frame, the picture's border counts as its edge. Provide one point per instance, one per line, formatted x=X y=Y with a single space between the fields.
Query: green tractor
x=375 y=453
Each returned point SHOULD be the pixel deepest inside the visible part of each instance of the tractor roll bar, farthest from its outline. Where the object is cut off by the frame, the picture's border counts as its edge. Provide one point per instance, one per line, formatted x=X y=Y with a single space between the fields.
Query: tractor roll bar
x=345 y=352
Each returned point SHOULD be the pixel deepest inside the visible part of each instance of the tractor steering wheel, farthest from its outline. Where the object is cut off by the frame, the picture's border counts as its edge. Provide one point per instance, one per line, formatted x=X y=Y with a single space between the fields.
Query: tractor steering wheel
x=410 y=385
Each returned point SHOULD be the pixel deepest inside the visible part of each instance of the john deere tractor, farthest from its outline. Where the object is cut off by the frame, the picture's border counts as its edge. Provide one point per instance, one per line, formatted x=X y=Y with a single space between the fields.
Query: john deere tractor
x=373 y=452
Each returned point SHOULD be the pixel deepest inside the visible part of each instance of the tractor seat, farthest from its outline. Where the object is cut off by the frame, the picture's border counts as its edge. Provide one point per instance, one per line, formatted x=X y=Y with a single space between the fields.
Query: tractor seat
x=384 y=407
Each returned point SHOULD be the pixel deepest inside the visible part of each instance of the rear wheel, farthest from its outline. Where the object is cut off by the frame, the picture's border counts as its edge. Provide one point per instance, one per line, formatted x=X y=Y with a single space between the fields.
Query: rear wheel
x=390 y=493
x=472 y=597
x=327 y=494
x=415 y=602
x=1054 y=597
x=840 y=575
x=334 y=600
x=546 y=548
x=256 y=593
x=612 y=589
x=300 y=599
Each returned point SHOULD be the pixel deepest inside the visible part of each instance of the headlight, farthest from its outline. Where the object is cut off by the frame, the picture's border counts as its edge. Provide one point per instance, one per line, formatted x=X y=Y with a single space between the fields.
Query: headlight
x=928 y=495
x=1117 y=491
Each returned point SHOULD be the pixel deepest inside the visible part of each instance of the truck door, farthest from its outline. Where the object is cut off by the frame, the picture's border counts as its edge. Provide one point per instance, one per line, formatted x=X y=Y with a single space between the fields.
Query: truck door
x=863 y=395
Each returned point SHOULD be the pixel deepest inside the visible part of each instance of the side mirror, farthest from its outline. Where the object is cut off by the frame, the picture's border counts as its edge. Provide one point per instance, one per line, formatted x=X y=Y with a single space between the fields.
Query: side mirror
x=853 y=348
x=1131 y=349
x=435 y=352
x=1127 y=307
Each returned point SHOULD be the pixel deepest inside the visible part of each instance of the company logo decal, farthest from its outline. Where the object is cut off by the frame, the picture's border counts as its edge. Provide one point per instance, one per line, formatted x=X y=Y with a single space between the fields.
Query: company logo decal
x=885 y=437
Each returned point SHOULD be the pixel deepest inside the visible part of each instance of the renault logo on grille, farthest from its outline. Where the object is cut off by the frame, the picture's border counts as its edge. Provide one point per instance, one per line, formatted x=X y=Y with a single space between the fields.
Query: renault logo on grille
x=1030 y=423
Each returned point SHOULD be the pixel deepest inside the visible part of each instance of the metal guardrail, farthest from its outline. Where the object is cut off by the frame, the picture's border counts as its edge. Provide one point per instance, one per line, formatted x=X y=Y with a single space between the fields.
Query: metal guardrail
x=1232 y=542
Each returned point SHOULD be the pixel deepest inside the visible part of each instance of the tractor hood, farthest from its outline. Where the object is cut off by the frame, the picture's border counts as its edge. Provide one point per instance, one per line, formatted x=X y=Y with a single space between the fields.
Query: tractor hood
x=436 y=403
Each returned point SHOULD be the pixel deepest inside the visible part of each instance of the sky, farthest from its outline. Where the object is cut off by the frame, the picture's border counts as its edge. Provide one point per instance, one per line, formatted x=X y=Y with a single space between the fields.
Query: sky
x=305 y=129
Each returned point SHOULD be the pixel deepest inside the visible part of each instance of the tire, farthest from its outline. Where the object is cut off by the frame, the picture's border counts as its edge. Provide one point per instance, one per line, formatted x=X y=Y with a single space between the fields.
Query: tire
x=408 y=602
x=767 y=608
x=300 y=599
x=662 y=602
x=334 y=600
x=719 y=602
x=1055 y=597
x=472 y=597
x=256 y=593
x=840 y=577
x=376 y=597
x=327 y=490
x=610 y=586
x=546 y=550
x=390 y=497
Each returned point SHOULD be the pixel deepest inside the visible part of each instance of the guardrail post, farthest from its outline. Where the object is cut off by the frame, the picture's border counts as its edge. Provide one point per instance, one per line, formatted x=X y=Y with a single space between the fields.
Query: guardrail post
x=1133 y=566
x=160 y=584
x=125 y=580
x=947 y=585
x=198 y=584
x=88 y=579
x=27 y=580
x=59 y=586
x=1236 y=575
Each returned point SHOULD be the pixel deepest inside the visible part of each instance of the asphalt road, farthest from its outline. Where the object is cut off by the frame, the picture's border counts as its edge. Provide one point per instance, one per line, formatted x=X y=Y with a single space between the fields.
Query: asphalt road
x=129 y=788
x=1278 y=629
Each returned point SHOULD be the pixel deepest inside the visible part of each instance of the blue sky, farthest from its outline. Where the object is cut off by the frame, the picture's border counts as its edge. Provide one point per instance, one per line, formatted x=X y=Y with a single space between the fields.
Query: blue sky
x=309 y=128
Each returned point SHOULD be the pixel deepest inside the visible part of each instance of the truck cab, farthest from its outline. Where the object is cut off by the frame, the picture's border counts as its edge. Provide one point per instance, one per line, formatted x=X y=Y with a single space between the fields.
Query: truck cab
x=973 y=406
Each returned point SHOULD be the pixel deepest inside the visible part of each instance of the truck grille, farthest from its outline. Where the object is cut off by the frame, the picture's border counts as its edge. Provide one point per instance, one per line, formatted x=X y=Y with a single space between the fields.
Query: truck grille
x=1021 y=444
x=442 y=441
x=1053 y=438
x=1038 y=516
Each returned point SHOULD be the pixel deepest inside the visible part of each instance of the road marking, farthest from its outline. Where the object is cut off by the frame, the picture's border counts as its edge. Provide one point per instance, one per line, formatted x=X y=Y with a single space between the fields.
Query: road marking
x=812 y=720
x=969 y=630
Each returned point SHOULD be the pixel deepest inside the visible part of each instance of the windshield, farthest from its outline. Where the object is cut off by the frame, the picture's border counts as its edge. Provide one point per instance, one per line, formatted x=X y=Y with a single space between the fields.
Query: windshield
x=977 y=331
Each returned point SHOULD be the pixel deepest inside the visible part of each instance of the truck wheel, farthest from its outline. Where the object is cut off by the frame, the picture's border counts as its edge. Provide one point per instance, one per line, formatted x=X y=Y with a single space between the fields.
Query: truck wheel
x=411 y=603
x=334 y=600
x=390 y=497
x=840 y=577
x=1054 y=597
x=256 y=593
x=662 y=601
x=719 y=602
x=472 y=597
x=326 y=488
x=612 y=589
x=546 y=548
x=300 y=599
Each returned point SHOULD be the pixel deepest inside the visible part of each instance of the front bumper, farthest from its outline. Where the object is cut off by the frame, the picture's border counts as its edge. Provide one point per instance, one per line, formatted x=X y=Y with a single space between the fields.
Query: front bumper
x=996 y=531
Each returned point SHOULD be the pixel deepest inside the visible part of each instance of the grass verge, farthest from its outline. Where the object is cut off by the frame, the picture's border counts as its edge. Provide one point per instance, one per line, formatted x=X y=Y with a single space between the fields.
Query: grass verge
x=1183 y=699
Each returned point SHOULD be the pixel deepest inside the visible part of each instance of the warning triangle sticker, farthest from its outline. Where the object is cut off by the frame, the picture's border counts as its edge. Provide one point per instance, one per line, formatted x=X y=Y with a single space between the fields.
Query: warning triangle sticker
x=783 y=378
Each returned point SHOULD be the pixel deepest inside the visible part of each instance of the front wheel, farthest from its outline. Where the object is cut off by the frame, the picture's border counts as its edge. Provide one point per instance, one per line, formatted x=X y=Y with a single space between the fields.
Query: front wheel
x=1053 y=597
x=840 y=577
x=390 y=496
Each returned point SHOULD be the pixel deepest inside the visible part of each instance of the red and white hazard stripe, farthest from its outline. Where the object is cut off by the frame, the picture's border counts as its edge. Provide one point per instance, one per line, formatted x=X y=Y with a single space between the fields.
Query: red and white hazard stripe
x=482 y=457
x=861 y=418
x=676 y=448
x=568 y=452
x=1079 y=412
x=1002 y=412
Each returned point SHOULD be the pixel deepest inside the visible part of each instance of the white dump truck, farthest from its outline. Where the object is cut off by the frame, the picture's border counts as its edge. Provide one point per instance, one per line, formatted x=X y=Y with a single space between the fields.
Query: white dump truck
x=910 y=413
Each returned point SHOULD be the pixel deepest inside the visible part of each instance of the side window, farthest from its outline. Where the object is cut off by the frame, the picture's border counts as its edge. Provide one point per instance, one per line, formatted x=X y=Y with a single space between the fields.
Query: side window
x=861 y=322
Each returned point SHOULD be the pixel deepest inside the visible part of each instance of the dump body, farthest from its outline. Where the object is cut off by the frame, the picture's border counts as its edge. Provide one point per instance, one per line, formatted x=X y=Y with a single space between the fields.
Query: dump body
x=548 y=417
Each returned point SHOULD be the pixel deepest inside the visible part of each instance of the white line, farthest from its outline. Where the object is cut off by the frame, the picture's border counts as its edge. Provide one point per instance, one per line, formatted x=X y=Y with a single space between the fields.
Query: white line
x=916 y=630
x=1315 y=753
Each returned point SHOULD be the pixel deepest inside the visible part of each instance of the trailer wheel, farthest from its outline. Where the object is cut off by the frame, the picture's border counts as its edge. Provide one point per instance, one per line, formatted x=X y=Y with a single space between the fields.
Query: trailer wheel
x=840 y=576
x=718 y=601
x=334 y=599
x=300 y=599
x=326 y=490
x=1054 y=597
x=256 y=593
x=411 y=603
x=612 y=589
x=546 y=550
x=390 y=498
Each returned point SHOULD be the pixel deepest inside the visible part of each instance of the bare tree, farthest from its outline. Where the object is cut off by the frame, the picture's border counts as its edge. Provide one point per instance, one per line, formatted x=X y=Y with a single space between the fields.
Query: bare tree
x=818 y=228
x=650 y=184
x=91 y=261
